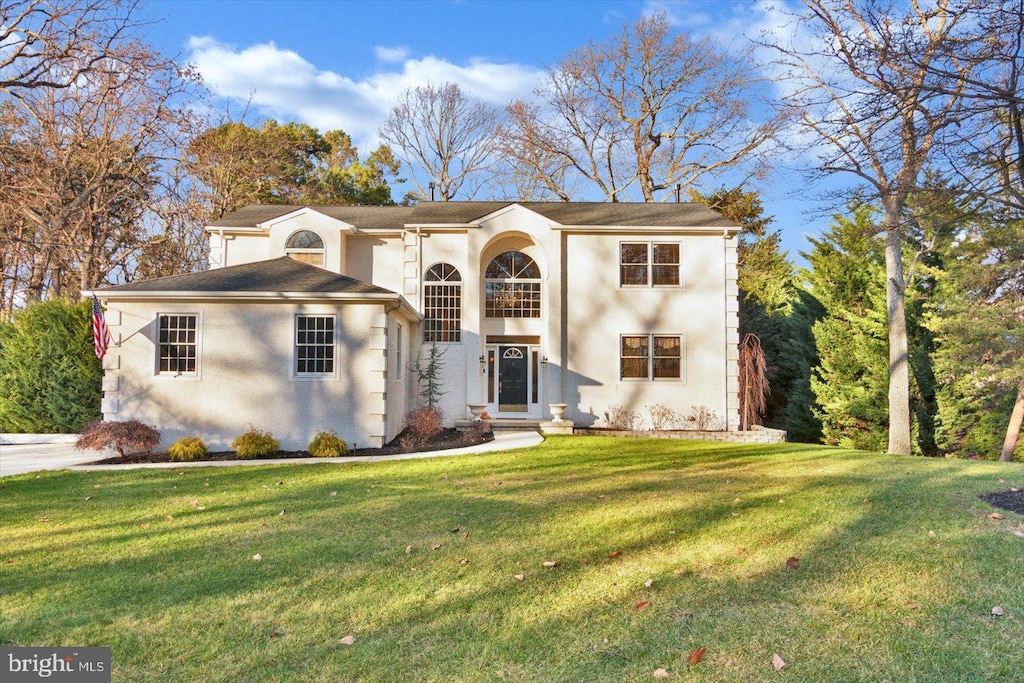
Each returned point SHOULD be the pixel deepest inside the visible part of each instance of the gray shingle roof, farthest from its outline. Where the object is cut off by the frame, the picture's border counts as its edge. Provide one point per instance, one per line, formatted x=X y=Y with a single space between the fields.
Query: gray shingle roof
x=282 y=274
x=684 y=214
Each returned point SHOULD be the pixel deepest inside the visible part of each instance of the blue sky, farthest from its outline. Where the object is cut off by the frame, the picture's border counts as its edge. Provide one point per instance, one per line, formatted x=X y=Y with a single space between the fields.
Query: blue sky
x=342 y=64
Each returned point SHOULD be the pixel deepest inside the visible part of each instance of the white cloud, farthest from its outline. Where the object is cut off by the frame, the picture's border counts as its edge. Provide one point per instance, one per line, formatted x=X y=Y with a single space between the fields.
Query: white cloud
x=391 y=54
x=282 y=84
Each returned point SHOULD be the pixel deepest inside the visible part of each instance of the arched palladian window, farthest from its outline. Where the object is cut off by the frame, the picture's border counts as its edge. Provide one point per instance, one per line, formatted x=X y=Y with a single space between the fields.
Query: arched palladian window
x=512 y=286
x=305 y=246
x=442 y=304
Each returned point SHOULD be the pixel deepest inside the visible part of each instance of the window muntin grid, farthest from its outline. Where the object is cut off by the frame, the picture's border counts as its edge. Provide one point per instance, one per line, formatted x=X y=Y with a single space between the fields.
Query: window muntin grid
x=306 y=246
x=314 y=344
x=177 y=346
x=442 y=304
x=512 y=287
x=651 y=356
x=643 y=264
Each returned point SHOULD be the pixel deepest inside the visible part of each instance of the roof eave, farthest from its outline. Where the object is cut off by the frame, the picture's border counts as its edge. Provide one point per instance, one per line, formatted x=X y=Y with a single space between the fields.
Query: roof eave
x=727 y=230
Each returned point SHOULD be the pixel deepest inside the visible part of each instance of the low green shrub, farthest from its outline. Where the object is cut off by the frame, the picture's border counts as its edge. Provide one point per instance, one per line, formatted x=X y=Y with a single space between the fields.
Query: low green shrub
x=255 y=444
x=188 y=448
x=327 y=445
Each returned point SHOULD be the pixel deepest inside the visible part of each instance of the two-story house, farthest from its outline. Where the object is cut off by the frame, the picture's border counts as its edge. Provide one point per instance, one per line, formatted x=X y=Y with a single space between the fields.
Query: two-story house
x=309 y=318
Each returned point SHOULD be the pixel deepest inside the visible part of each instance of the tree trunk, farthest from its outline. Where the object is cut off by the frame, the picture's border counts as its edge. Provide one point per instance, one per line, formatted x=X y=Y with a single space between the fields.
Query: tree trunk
x=1013 y=428
x=899 y=367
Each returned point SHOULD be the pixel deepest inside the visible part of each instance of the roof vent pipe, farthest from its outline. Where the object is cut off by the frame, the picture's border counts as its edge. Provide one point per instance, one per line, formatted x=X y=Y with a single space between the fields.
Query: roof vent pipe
x=431 y=186
x=679 y=192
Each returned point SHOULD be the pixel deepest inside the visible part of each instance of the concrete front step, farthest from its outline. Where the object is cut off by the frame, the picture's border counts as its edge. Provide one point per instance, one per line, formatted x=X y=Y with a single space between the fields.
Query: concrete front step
x=504 y=425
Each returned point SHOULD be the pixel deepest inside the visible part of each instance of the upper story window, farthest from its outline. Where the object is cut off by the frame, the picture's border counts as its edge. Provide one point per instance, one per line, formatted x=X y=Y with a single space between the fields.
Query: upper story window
x=306 y=246
x=442 y=304
x=178 y=344
x=645 y=264
x=512 y=286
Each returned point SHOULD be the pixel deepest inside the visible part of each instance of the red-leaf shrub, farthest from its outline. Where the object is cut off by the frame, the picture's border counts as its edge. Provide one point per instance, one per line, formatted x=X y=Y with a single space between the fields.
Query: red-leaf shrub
x=124 y=437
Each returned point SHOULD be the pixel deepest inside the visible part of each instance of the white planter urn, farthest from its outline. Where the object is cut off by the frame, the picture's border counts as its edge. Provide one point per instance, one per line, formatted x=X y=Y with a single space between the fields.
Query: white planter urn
x=557 y=410
x=477 y=410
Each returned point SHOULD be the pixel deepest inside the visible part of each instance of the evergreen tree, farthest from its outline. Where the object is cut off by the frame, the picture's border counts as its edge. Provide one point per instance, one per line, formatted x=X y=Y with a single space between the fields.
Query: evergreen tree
x=49 y=375
x=850 y=382
x=977 y=321
x=773 y=308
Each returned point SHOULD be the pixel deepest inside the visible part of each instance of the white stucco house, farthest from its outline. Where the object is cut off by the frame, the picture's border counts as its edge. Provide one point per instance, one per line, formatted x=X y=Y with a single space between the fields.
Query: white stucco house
x=309 y=316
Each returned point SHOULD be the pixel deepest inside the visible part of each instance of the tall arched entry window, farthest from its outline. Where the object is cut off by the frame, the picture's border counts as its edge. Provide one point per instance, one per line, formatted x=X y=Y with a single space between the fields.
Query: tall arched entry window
x=512 y=286
x=442 y=304
x=305 y=246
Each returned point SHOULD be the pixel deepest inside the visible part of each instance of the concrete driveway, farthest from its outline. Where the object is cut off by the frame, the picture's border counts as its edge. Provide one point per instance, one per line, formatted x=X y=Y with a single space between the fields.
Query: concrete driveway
x=21 y=458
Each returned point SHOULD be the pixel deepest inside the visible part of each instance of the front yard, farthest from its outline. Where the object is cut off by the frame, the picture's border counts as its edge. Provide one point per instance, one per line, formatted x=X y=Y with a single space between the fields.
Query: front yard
x=436 y=567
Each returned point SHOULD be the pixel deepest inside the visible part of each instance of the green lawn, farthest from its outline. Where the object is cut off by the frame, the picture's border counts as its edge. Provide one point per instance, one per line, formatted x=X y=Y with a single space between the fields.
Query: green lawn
x=159 y=565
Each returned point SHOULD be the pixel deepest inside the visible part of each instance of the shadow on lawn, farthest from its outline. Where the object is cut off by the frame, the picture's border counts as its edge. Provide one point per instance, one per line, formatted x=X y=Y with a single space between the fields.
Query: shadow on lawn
x=518 y=510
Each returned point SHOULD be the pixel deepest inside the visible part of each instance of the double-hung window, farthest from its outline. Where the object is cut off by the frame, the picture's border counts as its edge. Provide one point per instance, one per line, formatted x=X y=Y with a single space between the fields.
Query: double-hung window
x=314 y=345
x=651 y=357
x=647 y=264
x=177 y=343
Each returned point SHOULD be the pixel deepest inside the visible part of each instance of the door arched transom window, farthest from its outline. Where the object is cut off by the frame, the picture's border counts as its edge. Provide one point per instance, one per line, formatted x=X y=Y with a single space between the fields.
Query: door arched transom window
x=512 y=286
x=305 y=246
x=442 y=304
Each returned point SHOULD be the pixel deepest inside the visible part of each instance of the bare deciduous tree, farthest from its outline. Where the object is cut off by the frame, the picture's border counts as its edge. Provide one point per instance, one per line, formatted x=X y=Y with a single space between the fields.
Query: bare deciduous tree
x=876 y=104
x=645 y=108
x=444 y=134
x=50 y=44
x=87 y=171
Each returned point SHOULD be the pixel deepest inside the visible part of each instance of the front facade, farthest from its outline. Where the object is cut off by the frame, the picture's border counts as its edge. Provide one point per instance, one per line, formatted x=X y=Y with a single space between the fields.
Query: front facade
x=310 y=318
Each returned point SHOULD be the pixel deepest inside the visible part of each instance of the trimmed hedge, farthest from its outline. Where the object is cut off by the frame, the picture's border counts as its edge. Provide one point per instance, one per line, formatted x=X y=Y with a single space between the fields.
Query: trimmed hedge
x=49 y=374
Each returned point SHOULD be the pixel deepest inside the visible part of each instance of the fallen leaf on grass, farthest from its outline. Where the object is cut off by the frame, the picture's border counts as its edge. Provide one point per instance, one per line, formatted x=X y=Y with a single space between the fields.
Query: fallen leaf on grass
x=740 y=551
x=88 y=497
x=347 y=640
x=614 y=553
x=551 y=564
x=793 y=563
x=145 y=525
x=911 y=605
x=643 y=604
x=662 y=673
x=257 y=557
x=463 y=561
x=44 y=519
x=994 y=515
x=998 y=611
x=281 y=513
x=333 y=493
x=932 y=534
x=648 y=583
x=437 y=547
x=519 y=577
x=697 y=655
x=276 y=634
x=778 y=662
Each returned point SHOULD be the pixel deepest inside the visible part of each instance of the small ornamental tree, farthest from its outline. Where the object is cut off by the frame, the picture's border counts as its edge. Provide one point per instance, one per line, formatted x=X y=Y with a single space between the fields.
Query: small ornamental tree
x=49 y=374
x=428 y=372
x=754 y=386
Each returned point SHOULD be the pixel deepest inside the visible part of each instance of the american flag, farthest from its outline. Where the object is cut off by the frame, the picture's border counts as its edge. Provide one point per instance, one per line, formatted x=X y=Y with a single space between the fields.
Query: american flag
x=100 y=333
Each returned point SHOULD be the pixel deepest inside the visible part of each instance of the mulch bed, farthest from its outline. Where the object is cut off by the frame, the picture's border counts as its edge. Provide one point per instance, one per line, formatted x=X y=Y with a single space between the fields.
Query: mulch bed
x=446 y=438
x=1007 y=500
